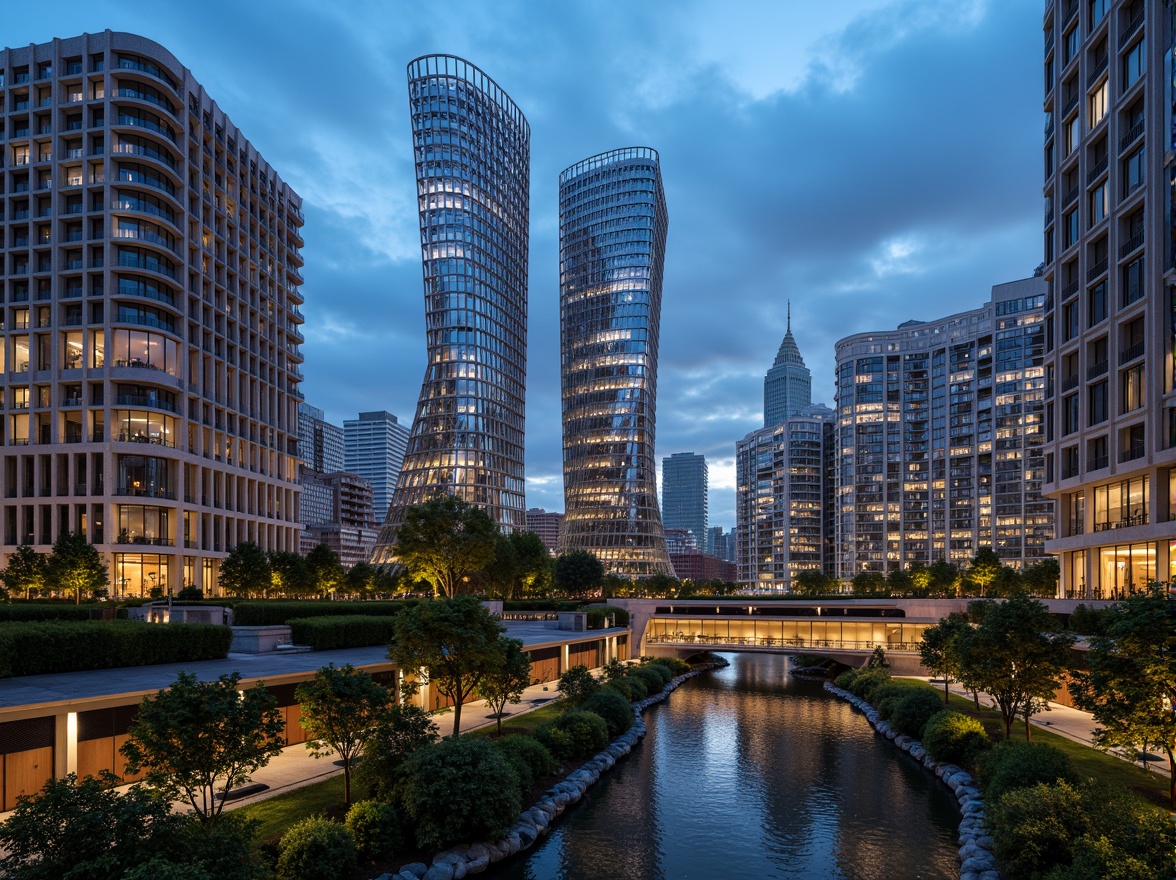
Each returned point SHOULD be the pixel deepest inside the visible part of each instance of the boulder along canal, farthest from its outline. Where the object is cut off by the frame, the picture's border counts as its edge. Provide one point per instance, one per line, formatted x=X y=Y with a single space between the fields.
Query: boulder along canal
x=747 y=772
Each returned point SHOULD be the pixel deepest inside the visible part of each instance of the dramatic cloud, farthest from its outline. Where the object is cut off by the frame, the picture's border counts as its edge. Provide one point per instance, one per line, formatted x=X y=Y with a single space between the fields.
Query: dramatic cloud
x=872 y=161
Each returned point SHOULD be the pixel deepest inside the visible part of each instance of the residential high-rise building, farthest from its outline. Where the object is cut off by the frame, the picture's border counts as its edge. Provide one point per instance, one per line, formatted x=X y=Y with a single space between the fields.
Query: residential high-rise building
x=347 y=523
x=472 y=148
x=373 y=447
x=612 y=236
x=151 y=287
x=721 y=544
x=1110 y=251
x=320 y=444
x=784 y=500
x=788 y=385
x=547 y=526
x=684 y=495
x=939 y=427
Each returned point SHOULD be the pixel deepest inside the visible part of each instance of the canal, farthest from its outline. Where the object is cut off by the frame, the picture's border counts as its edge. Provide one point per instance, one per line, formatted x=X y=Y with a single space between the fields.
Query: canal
x=747 y=772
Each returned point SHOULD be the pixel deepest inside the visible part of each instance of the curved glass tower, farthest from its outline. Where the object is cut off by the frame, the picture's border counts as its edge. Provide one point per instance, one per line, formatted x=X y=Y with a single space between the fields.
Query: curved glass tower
x=472 y=150
x=612 y=240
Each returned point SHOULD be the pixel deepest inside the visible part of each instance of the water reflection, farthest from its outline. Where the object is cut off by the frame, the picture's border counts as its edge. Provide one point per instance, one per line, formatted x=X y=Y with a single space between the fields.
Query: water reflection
x=748 y=773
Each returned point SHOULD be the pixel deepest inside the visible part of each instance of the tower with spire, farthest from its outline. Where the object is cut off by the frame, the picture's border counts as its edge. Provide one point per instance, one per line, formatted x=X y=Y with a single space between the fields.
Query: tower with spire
x=788 y=386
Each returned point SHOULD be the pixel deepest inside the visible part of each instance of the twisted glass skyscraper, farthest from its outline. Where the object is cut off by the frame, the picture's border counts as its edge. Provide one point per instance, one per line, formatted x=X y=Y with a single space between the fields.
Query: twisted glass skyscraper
x=612 y=238
x=472 y=149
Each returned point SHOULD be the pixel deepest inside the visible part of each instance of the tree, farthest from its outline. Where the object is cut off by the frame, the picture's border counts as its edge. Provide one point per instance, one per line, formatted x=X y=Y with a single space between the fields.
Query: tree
x=195 y=734
x=325 y=570
x=940 y=648
x=505 y=681
x=245 y=571
x=25 y=573
x=810 y=582
x=878 y=659
x=340 y=709
x=900 y=583
x=576 y=685
x=75 y=566
x=499 y=576
x=943 y=579
x=534 y=564
x=290 y=574
x=444 y=541
x=578 y=574
x=1041 y=579
x=455 y=639
x=869 y=583
x=1130 y=685
x=398 y=733
x=1014 y=656
x=984 y=570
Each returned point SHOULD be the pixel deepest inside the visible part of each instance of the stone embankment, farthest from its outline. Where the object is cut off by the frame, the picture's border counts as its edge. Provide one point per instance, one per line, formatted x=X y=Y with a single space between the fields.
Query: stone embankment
x=976 y=859
x=460 y=861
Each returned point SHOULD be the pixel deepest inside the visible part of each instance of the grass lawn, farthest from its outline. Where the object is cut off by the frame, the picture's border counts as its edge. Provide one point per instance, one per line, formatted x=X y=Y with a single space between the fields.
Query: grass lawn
x=525 y=723
x=1089 y=762
x=279 y=812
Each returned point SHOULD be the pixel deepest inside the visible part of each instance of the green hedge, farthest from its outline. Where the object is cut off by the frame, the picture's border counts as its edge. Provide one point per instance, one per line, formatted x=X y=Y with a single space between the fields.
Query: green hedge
x=46 y=611
x=283 y=612
x=597 y=614
x=538 y=605
x=35 y=648
x=344 y=631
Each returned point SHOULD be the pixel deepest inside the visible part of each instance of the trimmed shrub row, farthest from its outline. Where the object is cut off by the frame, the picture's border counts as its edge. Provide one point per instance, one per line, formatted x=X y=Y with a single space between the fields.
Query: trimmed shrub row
x=38 y=611
x=539 y=605
x=343 y=631
x=36 y=648
x=598 y=613
x=279 y=613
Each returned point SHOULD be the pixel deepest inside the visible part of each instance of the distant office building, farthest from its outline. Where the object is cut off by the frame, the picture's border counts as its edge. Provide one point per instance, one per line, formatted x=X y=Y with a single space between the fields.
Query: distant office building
x=612 y=237
x=548 y=526
x=721 y=544
x=939 y=428
x=784 y=500
x=374 y=446
x=1110 y=313
x=150 y=284
x=681 y=540
x=348 y=525
x=320 y=444
x=695 y=565
x=788 y=386
x=684 y=495
x=472 y=148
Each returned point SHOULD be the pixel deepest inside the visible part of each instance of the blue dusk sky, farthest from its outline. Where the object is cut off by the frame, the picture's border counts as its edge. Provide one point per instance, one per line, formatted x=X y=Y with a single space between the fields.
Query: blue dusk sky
x=871 y=160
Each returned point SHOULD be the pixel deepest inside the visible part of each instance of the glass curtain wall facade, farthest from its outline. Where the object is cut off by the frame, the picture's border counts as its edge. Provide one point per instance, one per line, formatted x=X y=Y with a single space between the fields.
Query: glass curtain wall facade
x=939 y=438
x=612 y=247
x=1110 y=261
x=684 y=495
x=472 y=148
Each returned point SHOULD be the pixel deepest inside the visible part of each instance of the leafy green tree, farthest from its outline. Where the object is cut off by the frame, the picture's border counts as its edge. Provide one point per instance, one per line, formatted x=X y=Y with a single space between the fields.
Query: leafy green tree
x=811 y=582
x=24 y=576
x=984 y=570
x=325 y=569
x=576 y=685
x=943 y=580
x=83 y=828
x=1041 y=579
x=1130 y=683
x=878 y=659
x=505 y=679
x=940 y=648
x=398 y=733
x=444 y=542
x=1016 y=657
x=196 y=735
x=498 y=577
x=340 y=709
x=900 y=583
x=245 y=571
x=455 y=639
x=579 y=574
x=366 y=580
x=869 y=584
x=659 y=586
x=534 y=565
x=75 y=566
x=290 y=574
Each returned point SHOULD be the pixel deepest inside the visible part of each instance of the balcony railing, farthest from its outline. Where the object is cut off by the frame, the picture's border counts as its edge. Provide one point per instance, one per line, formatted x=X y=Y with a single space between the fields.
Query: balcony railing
x=138 y=492
x=1095 y=370
x=1133 y=243
x=1131 y=352
x=771 y=642
x=1132 y=452
x=1097 y=463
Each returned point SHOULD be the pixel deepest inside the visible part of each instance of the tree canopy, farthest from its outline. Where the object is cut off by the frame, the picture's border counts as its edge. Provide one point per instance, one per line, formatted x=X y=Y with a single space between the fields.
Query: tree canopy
x=340 y=709
x=579 y=573
x=24 y=576
x=506 y=679
x=444 y=541
x=1130 y=683
x=1015 y=656
x=325 y=570
x=75 y=566
x=197 y=735
x=456 y=640
x=940 y=648
x=246 y=571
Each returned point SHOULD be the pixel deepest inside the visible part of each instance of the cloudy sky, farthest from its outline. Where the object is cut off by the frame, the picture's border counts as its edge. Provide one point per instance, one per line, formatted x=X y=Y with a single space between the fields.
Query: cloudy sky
x=871 y=160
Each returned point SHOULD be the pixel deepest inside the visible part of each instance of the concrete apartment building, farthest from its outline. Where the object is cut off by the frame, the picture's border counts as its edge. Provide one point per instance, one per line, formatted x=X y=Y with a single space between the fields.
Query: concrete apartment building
x=939 y=438
x=373 y=447
x=1111 y=307
x=150 y=335
x=548 y=525
x=684 y=495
